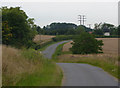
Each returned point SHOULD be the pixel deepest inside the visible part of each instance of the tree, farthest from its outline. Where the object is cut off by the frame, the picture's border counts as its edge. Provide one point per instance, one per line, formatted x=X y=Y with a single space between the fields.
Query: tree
x=60 y=29
x=6 y=32
x=85 y=43
x=101 y=28
x=19 y=25
x=80 y=29
x=118 y=32
x=98 y=32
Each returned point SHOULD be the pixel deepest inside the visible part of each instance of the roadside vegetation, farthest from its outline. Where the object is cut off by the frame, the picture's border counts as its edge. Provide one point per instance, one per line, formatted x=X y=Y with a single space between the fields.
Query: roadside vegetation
x=28 y=68
x=57 y=52
x=22 y=63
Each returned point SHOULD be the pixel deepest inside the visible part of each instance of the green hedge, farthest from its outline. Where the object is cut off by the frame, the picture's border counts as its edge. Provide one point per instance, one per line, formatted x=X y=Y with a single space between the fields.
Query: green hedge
x=63 y=37
x=70 y=37
x=103 y=36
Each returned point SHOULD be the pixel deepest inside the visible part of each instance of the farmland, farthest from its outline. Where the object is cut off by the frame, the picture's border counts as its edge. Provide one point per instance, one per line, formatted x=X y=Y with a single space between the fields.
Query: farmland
x=41 y=39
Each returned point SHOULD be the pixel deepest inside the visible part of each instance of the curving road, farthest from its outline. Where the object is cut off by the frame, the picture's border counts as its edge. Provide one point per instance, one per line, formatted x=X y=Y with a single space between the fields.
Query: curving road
x=81 y=74
x=48 y=52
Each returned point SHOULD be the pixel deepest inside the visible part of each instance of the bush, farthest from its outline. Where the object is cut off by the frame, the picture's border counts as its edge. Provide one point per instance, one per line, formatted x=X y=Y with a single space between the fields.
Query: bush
x=85 y=43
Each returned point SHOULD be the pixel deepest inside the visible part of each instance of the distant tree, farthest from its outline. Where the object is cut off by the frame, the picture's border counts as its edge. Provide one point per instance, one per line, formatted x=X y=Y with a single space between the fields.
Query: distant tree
x=40 y=30
x=101 y=28
x=98 y=32
x=80 y=29
x=85 y=43
x=97 y=26
x=108 y=28
x=118 y=30
x=65 y=29
x=60 y=28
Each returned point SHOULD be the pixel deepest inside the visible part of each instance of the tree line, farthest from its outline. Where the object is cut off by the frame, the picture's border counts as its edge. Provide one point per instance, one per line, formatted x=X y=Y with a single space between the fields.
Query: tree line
x=64 y=29
x=73 y=29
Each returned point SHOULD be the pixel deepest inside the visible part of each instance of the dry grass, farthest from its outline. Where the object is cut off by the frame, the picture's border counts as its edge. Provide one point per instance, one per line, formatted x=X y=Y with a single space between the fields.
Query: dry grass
x=28 y=68
x=13 y=65
x=110 y=45
x=67 y=46
x=76 y=57
x=41 y=39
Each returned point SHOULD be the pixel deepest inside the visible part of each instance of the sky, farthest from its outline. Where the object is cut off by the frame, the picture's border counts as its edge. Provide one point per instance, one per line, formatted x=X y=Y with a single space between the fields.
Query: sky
x=46 y=12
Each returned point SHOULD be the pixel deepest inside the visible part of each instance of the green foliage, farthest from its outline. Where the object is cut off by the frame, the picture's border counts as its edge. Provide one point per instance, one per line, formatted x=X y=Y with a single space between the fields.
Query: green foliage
x=100 y=29
x=86 y=44
x=18 y=29
x=111 y=36
x=39 y=30
x=98 y=32
x=118 y=30
x=80 y=29
x=63 y=37
x=64 y=29
x=6 y=32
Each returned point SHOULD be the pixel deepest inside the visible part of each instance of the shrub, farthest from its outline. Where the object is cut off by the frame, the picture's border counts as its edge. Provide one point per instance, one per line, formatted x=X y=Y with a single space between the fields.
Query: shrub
x=85 y=43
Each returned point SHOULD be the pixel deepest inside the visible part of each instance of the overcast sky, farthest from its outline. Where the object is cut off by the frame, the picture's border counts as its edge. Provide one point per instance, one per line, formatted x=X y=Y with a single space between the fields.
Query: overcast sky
x=46 y=12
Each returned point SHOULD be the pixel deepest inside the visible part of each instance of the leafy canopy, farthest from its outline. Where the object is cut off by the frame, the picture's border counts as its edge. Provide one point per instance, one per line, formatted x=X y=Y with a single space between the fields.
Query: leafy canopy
x=18 y=30
x=85 y=43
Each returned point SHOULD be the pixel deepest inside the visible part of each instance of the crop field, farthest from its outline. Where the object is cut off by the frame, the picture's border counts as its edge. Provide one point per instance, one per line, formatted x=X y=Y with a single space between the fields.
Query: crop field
x=41 y=39
x=110 y=45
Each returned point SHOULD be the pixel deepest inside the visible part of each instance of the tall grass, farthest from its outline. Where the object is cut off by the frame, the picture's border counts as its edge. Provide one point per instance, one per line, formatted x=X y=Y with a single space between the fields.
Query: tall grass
x=28 y=68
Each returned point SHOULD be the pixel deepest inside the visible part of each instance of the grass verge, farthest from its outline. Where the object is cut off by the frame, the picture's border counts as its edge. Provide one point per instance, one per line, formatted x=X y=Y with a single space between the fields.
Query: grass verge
x=28 y=68
x=58 y=52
